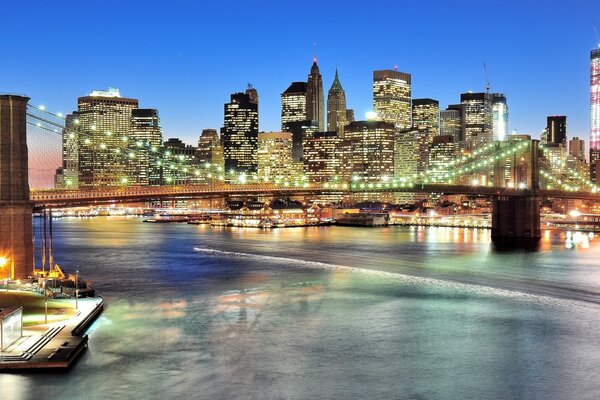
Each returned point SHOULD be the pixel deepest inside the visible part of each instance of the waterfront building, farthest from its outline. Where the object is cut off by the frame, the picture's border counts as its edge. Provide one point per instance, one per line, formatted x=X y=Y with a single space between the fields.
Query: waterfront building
x=426 y=117
x=370 y=150
x=477 y=119
x=336 y=107
x=146 y=139
x=556 y=130
x=392 y=97
x=323 y=157
x=240 y=134
x=451 y=124
x=443 y=150
x=98 y=135
x=293 y=104
x=595 y=100
x=499 y=117
x=315 y=103
x=274 y=155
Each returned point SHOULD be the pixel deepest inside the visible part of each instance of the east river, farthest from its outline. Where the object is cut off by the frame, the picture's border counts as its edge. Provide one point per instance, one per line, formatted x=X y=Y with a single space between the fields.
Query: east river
x=195 y=312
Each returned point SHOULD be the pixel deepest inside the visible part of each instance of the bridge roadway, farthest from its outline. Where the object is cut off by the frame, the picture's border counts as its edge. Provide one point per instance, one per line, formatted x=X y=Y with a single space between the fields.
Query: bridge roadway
x=71 y=198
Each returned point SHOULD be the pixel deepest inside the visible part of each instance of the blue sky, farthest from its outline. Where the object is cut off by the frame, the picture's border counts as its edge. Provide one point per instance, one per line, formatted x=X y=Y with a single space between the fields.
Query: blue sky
x=185 y=58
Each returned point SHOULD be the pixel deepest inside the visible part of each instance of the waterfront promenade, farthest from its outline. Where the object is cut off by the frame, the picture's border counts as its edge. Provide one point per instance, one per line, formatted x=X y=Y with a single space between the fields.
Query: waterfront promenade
x=55 y=345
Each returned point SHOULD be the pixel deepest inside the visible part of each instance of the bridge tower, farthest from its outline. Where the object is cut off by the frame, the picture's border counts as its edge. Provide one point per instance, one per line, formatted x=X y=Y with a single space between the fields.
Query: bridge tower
x=16 y=245
x=517 y=217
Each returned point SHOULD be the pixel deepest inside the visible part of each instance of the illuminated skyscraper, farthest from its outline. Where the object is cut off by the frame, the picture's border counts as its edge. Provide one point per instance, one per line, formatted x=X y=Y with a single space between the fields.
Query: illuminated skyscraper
x=322 y=157
x=478 y=119
x=426 y=117
x=293 y=104
x=210 y=149
x=370 y=147
x=240 y=134
x=102 y=127
x=392 y=97
x=451 y=124
x=499 y=117
x=411 y=152
x=577 y=148
x=315 y=100
x=595 y=99
x=443 y=151
x=146 y=139
x=274 y=155
x=336 y=107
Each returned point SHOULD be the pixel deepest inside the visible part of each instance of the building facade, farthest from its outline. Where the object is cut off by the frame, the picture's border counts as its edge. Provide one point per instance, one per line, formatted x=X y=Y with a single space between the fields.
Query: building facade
x=451 y=124
x=370 y=150
x=293 y=104
x=556 y=130
x=336 y=107
x=392 y=97
x=322 y=157
x=595 y=99
x=240 y=134
x=146 y=137
x=499 y=117
x=426 y=117
x=315 y=99
x=478 y=118
x=274 y=156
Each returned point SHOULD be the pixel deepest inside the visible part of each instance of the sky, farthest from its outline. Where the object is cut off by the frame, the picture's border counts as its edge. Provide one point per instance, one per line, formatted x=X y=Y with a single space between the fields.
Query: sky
x=185 y=58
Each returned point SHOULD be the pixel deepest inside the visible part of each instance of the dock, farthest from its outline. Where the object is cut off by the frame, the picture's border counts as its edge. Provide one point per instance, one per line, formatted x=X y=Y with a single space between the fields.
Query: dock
x=53 y=346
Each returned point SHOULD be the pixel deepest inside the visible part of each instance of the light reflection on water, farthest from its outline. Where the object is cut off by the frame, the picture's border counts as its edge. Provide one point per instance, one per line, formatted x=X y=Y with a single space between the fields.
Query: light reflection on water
x=327 y=313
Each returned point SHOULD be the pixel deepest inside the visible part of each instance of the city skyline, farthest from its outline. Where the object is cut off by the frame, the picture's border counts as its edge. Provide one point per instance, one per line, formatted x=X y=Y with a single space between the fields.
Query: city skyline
x=189 y=86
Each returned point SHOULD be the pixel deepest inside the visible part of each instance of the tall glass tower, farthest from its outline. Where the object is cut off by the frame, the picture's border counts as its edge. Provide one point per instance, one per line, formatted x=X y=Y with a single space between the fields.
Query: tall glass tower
x=595 y=99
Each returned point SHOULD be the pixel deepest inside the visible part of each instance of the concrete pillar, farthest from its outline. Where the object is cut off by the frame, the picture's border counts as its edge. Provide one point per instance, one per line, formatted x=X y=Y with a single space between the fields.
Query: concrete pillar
x=15 y=207
x=516 y=217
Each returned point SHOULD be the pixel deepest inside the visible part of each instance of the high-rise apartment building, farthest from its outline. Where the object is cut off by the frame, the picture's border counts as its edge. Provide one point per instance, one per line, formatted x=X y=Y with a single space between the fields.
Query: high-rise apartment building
x=426 y=117
x=370 y=150
x=240 y=134
x=595 y=99
x=336 y=107
x=451 y=124
x=146 y=139
x=392 y=97
x=293 y=104
x=322 y=157
x=477 y=119
x=556 y=130
x=499 y=117
x=99 y=132
x=274 y=155
x=315 y=100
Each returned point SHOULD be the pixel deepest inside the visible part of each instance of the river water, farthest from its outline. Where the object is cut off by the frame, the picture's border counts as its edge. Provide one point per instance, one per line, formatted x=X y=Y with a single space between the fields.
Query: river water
x=327 y=313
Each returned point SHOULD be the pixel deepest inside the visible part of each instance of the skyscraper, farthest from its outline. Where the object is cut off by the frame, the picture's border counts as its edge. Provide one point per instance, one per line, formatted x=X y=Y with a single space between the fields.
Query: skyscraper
x=336 y=107
x=426 y=117
x=577 y=148
x=499 y=117
x=146 y=138
x=293 y=104
x=392 y=97
x=210 y=149
x=101 y=127
x=443 y=150
x=315 y=103
x=322 y=157
x=274 y=155
x=595 y=99
x=451 y=124
x=556 y=130
x=240 y=134
x=478 y=119
x=370 y=147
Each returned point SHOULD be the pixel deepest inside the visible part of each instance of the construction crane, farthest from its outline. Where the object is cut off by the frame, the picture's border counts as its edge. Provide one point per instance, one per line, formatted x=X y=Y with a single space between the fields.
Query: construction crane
x=487 y=82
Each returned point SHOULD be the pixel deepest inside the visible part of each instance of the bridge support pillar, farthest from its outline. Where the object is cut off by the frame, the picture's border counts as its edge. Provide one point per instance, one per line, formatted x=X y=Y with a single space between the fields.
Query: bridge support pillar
x=16 y=247
x=516 y=218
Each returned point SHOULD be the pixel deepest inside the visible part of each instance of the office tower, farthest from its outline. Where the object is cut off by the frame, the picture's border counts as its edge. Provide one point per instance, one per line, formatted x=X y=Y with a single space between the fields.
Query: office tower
x=443 y=151
x=451 y=124
x=252 y=94
x=274 y=155
x=392 y=97
x=210 y=149
x=293 y=104
x=315 y=103
x=322 y=157
x=101 y=127
x=411 y=153
x=556 y=156
x=300 y=131
x=370 y=147
x=240 y=134
x=349 y=115
x=595 y=165
x=146 y=140
x=426 y=117
x=179 y=161
x=556 y=130
x=595 y=99
x=499 y=117
x=336 y=107
x=70 y=152
x=577 y=148
x=477 y=119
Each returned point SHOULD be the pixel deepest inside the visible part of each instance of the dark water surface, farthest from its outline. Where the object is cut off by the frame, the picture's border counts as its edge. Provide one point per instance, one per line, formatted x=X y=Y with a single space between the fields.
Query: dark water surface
x=327 y=313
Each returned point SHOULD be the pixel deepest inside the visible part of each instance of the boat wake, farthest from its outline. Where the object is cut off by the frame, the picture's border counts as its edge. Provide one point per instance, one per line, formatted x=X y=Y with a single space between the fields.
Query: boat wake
x=474 y=288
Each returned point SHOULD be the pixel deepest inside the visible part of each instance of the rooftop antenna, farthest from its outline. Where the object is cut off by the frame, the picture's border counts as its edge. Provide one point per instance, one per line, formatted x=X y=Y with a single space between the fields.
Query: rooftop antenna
x=315 y=51
x=596 y=32
x=487 y=82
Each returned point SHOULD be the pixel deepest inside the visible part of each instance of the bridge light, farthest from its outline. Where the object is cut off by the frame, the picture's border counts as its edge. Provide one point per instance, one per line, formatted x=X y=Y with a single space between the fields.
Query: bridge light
x=196 y=172
x=93 y=127
x=167 y=153
x=59 y=115
x=153 y=148
x=86 y=141
x=139 y=144
x=118 y=151
x=68 y=182
x=181 y=157
x=42 y=107
x=123 y=180
x=76 y=121
x=131 y=155
x=124 y=138
x=102 y=146
x=169 y=179
x=206 y=165
x=522 y=185
x=108 y=133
